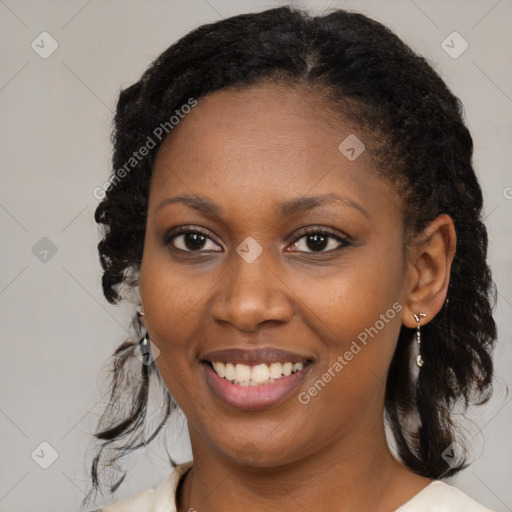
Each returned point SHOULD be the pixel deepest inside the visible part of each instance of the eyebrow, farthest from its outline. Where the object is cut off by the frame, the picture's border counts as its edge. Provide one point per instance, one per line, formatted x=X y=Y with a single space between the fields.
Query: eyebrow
x=286 y=209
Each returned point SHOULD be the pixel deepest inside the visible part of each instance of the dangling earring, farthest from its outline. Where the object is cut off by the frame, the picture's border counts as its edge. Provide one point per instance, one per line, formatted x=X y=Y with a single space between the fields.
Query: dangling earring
x=419 y=359
x=145 y=350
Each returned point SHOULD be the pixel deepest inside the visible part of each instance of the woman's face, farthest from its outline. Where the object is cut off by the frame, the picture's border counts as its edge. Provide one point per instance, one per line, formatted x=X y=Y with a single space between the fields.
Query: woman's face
x=258 y=171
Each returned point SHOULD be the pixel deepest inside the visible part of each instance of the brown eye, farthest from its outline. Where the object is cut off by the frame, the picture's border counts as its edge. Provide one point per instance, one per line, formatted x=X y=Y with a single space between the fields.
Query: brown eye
x=191 y=240
x=318 y=240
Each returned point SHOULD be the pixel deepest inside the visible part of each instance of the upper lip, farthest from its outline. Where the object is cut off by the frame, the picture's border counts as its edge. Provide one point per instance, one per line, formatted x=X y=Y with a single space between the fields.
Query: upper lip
x=263 y=355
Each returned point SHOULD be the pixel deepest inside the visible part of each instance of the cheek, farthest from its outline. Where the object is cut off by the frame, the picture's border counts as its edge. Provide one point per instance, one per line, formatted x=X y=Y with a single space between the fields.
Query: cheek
x=171 y=303
x=171 y=293
x=358 y=322
x=176 y=315
x=169 y=300
x=359 y=295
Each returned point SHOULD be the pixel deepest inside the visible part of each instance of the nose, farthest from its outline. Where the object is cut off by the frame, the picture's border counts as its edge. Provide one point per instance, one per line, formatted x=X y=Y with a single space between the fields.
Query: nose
x=250 y=295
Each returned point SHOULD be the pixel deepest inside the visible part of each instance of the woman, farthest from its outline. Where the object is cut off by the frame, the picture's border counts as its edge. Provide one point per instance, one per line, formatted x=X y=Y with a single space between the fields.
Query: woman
x=294 y=204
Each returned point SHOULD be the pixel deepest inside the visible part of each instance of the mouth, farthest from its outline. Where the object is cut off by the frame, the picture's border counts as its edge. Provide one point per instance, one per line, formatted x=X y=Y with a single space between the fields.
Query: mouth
x=259 y=375
x=254 y=379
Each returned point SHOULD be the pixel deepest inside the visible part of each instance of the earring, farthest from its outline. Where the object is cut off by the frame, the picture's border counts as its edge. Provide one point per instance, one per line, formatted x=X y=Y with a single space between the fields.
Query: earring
x=419 y=359
x=145 y=349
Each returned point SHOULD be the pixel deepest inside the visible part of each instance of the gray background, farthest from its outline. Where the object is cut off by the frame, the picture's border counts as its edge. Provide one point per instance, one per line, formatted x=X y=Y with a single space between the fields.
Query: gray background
x=57 y=331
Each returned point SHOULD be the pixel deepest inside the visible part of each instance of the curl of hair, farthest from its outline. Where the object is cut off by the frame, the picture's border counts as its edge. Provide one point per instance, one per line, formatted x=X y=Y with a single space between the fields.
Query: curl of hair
x=413 y=129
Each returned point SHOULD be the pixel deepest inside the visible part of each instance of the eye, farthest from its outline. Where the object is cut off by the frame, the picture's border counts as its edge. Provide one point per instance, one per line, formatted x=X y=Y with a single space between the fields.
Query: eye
x=188 y=239
x=318 y=239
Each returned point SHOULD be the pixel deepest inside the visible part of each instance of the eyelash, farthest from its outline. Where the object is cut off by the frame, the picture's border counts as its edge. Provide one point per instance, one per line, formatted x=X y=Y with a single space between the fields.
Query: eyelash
x=304 y=232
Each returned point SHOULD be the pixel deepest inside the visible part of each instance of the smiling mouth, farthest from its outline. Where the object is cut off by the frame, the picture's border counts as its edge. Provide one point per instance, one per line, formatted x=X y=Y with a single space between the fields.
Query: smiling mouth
x=255 y=375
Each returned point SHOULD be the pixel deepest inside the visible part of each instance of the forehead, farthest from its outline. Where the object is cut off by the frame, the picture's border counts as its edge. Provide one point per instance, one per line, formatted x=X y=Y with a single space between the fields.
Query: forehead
x=262 y=144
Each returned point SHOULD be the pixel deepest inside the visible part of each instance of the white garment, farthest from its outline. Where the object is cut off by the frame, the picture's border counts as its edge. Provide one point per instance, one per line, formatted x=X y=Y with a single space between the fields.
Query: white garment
x=436 y=497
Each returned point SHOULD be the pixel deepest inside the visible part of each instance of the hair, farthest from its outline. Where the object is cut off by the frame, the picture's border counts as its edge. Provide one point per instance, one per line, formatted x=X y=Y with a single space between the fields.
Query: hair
x=415 y=134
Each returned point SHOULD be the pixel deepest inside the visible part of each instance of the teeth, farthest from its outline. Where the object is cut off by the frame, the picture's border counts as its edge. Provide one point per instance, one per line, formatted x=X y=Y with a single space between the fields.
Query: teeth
x=260 y=373
x=245 y=375
x=242 y=373
x=230 y=371
x=220 y=368
x=275 y=370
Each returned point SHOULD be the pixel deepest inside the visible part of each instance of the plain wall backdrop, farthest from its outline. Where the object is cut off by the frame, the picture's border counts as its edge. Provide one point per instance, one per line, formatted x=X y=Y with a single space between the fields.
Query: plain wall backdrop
x=57 y=330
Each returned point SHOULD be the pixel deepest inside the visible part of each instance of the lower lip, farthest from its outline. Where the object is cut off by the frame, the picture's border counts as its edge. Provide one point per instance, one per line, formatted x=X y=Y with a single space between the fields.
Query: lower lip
x=254 y=397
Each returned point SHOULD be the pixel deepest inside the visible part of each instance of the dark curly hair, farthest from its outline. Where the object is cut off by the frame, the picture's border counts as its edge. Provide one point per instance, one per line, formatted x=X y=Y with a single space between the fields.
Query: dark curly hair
x=415 y=134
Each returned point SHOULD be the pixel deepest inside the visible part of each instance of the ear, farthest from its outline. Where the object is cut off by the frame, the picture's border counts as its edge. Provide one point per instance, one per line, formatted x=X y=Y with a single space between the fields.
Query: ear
x=429 y=260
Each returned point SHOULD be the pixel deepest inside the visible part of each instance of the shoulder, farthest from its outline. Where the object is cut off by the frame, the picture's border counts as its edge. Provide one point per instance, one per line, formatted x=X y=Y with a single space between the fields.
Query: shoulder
x=161 y=498
x=441 y=497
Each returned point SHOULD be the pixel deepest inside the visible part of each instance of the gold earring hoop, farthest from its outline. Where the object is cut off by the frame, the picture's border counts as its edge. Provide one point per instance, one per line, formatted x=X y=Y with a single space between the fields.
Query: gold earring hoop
x=419 y=359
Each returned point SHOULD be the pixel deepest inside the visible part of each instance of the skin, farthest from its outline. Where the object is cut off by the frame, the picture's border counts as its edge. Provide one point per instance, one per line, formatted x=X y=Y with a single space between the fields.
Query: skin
x=248 y=150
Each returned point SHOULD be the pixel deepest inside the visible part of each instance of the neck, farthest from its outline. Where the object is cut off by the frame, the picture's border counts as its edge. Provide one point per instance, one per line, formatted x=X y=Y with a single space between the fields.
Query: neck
x=357 y=472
